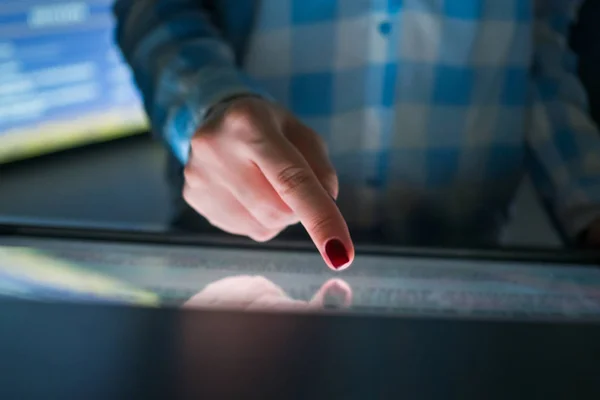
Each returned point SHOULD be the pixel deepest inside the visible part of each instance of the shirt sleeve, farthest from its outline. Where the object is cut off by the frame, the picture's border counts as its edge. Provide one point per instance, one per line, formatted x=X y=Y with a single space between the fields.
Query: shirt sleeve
x=563 y=142
x=181 y=65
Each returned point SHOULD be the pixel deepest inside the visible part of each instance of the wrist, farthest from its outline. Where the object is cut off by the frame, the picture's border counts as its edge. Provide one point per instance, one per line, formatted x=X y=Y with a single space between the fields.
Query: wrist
x=221 y=106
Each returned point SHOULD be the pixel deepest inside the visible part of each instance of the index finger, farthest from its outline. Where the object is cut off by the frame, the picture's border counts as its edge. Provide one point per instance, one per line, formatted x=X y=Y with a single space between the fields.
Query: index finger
x=294 y=181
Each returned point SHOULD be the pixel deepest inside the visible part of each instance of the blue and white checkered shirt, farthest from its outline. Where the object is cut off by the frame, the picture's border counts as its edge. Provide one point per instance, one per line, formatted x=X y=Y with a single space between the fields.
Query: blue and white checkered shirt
x=433 y=110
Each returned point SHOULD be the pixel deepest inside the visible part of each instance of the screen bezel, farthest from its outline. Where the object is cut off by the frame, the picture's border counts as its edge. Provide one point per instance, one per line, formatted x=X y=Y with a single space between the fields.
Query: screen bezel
x=536 y=256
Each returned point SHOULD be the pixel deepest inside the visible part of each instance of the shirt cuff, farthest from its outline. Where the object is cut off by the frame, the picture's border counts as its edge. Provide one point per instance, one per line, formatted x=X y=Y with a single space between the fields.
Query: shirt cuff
x=205 y=90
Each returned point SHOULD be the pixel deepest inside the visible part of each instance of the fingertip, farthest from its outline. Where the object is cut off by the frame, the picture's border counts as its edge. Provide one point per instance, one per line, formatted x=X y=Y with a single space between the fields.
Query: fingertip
x=337 y=254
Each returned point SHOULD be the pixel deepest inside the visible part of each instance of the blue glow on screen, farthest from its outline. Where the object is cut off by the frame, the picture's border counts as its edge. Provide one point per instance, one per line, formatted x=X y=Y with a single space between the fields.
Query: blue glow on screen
x=62 y=79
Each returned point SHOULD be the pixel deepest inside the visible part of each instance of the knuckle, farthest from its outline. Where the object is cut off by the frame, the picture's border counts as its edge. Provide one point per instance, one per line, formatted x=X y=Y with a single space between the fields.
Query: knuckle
x=208 y=151
x=215 y=221
x=202 y=139
x=292 y=179
x=203 y=144
x=263 y=235
x=273 y=217
x=321 y=223
x=240 y=116
x=260 y=238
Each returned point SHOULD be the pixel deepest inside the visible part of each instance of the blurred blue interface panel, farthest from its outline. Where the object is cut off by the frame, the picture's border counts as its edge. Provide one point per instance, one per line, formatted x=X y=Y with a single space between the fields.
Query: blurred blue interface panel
x=62 y=79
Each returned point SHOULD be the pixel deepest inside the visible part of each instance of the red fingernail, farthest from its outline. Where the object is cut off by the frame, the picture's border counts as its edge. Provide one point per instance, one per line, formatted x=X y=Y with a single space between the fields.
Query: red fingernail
x=337 y=253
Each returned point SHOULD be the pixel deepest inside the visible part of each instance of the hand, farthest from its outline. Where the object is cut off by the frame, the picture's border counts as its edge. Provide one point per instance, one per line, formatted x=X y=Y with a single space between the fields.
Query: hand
x=254 y=169
x=258 y=293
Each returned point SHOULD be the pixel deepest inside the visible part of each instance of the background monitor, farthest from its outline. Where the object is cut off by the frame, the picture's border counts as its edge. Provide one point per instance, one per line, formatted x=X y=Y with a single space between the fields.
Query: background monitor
x=63 y=82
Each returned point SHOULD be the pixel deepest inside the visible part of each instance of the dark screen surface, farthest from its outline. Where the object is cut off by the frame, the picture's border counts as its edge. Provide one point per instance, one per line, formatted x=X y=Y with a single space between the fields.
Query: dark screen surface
x=56 y=351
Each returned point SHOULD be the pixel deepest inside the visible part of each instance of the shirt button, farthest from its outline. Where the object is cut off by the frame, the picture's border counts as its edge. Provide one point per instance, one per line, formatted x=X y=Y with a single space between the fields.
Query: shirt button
x=385 y=28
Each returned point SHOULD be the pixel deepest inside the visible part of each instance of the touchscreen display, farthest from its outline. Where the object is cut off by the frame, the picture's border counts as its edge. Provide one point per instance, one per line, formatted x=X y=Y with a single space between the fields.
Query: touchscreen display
x=157 y=275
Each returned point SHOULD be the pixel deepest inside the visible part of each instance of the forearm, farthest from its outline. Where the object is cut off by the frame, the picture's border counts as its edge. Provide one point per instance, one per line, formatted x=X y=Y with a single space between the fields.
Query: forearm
x=181 y=65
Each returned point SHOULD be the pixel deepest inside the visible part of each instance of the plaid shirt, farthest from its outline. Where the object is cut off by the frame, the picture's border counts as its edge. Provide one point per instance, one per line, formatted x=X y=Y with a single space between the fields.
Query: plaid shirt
x=433 y=110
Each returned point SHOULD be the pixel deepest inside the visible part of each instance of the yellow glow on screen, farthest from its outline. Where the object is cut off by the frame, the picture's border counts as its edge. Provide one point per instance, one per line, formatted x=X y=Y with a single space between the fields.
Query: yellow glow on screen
x=42 y=270
x=50 y=136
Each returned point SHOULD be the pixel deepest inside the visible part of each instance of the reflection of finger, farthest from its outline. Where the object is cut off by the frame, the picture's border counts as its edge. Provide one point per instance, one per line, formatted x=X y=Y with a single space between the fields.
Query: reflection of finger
x=235 y=291
x=278 y=303
x=335 y=293
x=246 y=293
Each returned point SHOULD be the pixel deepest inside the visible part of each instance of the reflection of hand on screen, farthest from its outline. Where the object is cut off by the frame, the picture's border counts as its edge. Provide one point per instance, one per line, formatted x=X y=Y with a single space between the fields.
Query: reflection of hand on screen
x=259 y=293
